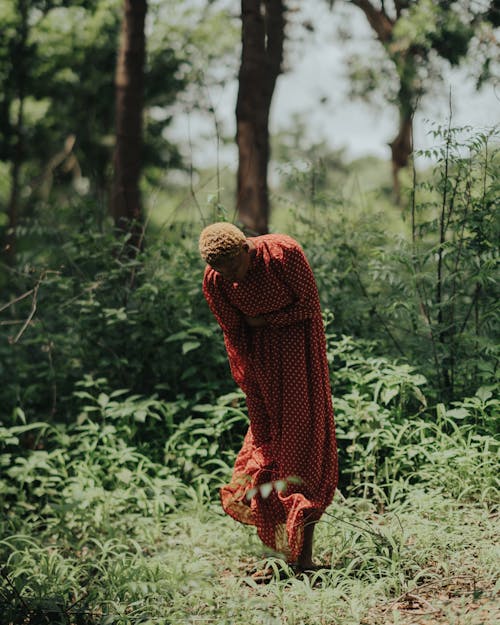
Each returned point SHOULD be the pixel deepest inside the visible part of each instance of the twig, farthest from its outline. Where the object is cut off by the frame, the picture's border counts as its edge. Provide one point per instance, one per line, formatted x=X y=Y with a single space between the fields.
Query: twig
x=69 y=608
x=32 y=311
x=191 y=171
x=367 y=530
x=139 y=246
x=378 y=315
x=17 y=299
x=417 y=268
x=436 y=582
x=413 y=597
x=422 y=600
x=211 y=109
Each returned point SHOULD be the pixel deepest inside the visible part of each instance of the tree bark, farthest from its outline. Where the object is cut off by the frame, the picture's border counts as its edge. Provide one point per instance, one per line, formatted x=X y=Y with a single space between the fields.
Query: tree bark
x=377 y=18
x=129 y=82
x=263 y=24
x=401 y=149
x=9 y=245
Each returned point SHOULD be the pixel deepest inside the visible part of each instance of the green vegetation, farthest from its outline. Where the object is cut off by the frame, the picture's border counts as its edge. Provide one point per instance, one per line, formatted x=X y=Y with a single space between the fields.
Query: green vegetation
x=95 y=531
x=119 y=420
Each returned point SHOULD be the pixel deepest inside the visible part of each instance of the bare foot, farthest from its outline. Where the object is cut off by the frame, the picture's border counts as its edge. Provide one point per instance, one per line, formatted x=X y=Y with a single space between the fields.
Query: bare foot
x=304 y=567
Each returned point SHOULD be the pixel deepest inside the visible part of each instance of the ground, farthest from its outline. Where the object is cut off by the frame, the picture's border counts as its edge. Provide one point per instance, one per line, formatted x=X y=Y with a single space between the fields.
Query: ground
x=421 y=559
x=426 y=560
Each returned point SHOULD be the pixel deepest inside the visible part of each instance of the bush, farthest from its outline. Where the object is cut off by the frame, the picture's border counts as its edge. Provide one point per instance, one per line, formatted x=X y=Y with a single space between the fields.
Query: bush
x=141 y=324
x=425 y=288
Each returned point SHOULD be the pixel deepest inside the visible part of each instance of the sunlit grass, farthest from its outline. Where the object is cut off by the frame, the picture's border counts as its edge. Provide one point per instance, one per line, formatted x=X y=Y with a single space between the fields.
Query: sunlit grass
x=95 y=530
x=194 y=564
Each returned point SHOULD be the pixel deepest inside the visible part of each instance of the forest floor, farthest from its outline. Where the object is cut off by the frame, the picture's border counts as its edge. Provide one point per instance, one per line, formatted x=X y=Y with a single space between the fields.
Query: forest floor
x=423 y=560
x=426 y=561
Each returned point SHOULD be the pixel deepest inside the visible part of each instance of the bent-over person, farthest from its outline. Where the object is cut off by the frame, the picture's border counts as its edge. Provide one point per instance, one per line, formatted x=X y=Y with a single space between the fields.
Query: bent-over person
x=263 y=294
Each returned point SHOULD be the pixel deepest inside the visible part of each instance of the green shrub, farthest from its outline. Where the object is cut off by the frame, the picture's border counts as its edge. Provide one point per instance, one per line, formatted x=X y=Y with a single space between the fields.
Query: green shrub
x=423 y=285
x=141 y=324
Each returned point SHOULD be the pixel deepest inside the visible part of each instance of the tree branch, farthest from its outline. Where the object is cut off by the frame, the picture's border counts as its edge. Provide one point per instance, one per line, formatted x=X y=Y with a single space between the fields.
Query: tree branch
x=379 y=21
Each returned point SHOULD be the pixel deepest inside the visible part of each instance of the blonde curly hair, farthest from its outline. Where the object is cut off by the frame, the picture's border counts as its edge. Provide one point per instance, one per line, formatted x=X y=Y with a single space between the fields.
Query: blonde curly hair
x=220 y=241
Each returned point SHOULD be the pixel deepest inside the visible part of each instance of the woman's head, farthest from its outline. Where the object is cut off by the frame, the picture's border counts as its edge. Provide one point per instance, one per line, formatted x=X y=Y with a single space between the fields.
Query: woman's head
x=224 y=247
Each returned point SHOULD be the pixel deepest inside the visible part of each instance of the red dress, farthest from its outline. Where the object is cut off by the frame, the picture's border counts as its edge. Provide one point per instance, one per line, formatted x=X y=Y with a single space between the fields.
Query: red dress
x=283 y=370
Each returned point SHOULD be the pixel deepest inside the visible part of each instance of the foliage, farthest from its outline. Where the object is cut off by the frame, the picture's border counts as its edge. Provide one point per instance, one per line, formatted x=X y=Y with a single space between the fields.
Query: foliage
x=423 y=34
x=109 y=516
x=454 y=257
x=390 y=439
x=57 y=67
x=118 y=417
x=94 y=531
x=86 y=307
x=426 y=285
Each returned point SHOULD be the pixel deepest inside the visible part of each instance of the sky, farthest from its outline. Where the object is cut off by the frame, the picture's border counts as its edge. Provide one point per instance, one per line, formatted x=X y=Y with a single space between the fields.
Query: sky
x=315 y=72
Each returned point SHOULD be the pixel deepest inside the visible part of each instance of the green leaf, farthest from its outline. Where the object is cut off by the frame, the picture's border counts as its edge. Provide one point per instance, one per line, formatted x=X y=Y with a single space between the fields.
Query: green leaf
x=458 y=413
x=140 y=415
x=125 y=476
x=266 y=489
x=190 y=346
x=19 y=413
x=178 y=336
x=103 y=400
x=484 y=393
x=251 y=493
x=388 y=394
x=280 y=486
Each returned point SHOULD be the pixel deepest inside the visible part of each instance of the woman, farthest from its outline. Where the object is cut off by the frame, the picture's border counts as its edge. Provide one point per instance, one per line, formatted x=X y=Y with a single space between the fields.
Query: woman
x=264 y=296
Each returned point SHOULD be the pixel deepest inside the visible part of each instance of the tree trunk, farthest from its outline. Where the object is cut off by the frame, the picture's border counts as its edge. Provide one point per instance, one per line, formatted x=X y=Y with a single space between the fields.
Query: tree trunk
x=402 y=144
x=129 y=82
x=401 y=149
x=9 y=245
x=263 y=25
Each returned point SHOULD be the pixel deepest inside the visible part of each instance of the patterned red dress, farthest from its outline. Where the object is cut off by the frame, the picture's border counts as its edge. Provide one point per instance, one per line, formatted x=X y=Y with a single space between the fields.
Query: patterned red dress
x=283 y=370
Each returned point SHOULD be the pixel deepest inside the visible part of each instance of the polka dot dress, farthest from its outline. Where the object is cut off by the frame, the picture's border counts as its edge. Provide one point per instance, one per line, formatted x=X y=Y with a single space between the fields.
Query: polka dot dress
x=282 y=368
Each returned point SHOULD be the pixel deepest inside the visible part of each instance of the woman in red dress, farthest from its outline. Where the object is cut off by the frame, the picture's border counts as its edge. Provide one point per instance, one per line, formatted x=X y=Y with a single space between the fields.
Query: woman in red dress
x=264 y=296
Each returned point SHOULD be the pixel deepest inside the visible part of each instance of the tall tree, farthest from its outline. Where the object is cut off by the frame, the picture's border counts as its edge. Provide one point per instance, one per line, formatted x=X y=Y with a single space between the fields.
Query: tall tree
x=415 y=35
x=263 y=24
x=30 y=85
x=129 y=82
x=18 y=82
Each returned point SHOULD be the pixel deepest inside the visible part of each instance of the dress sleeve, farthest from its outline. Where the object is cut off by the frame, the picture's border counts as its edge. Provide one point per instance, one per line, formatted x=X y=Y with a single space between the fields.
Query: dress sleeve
x=297 y=274
x=233 y=327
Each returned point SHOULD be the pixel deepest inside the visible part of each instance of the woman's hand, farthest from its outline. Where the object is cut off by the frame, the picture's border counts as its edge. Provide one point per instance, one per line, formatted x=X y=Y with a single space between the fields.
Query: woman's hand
x=255 y=322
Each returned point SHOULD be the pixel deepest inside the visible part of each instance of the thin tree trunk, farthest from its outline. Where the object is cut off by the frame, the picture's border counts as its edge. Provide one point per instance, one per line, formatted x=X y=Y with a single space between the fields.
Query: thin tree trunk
x=13 y=205
x=401 y=150
x=402 y=144
x=129 y=81
x=9 y=247
x=442 y=330
x=262 y=53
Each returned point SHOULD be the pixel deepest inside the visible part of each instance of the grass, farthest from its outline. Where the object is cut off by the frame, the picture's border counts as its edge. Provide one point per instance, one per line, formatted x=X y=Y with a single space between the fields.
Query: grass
x=427 y=559
x=95 y=532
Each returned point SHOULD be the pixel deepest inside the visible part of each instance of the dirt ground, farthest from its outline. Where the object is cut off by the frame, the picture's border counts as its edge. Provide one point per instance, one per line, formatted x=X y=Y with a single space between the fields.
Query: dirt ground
x=459 y=600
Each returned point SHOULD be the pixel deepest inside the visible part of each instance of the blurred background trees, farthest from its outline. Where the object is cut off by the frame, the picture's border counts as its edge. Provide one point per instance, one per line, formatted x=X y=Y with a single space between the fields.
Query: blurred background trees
x=129 y=86
x=85 y=123
x=416 y=37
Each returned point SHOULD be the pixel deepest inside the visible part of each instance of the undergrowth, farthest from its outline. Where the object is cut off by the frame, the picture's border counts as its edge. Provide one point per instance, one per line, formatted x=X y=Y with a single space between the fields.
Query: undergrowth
x=100 y=527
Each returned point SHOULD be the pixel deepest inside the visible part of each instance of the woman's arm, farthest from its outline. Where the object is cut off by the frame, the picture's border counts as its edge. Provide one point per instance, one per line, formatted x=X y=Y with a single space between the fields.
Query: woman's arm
x=233 y=326
x=297 y=274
